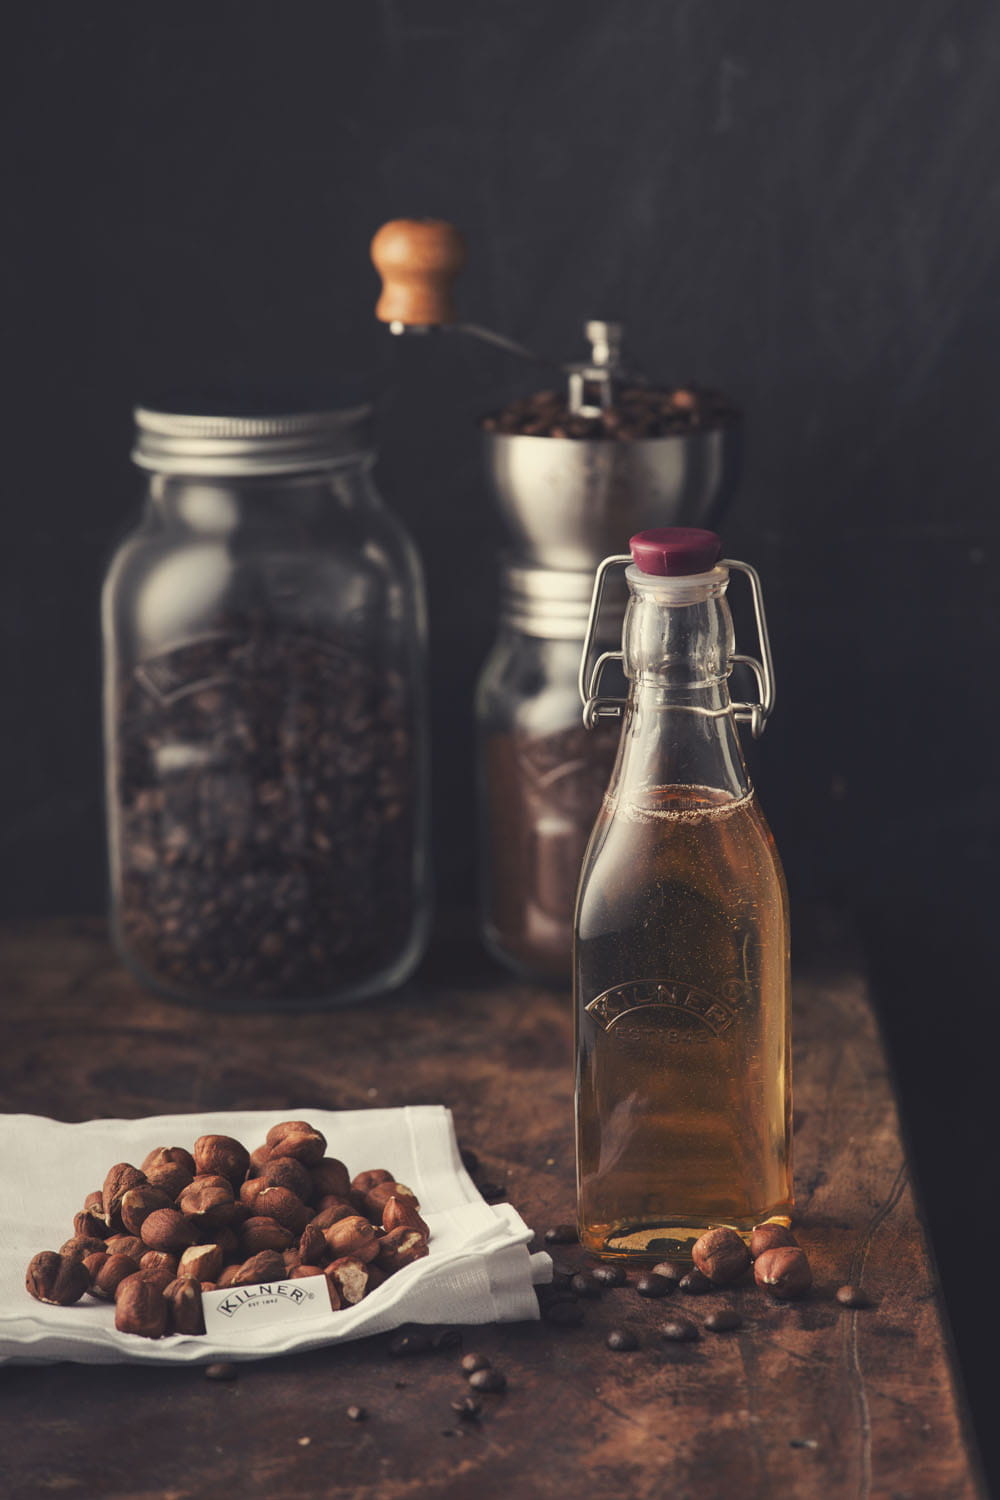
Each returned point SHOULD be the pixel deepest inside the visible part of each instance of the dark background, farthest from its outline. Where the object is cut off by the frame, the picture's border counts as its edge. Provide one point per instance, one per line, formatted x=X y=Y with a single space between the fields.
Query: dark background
x=797 y=203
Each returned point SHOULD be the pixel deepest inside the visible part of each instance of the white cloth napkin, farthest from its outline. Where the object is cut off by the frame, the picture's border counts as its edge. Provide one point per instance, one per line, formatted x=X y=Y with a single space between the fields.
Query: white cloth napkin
x=479 y=1269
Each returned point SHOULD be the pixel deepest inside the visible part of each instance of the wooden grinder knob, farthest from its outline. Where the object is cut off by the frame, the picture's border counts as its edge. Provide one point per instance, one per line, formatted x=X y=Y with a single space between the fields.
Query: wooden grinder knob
x=418 y=261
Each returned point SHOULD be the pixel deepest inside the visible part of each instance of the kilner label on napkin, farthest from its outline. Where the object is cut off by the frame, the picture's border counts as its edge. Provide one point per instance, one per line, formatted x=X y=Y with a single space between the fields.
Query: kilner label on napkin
x=267 y=1303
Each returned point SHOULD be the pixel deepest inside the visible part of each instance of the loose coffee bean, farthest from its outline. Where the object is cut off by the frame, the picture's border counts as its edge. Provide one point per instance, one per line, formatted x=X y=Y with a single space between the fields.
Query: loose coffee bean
x=651 y=1285
x=403 y=1344
x=695 y=1283
x=446 y=1338
x=622 y=1340
x=492 y=1192
x=563 y=1314
x=679 y=1331
x=639 y=411
x=852 y=1296
x=672 y=1270
x=585 y=1284
x=610 y=1275
x=488 y=1380
x=473 y=1362
x=468 y=1408
x=723 y=1321
x=221 y=1372
x=562 y=1234
x=357 y=1414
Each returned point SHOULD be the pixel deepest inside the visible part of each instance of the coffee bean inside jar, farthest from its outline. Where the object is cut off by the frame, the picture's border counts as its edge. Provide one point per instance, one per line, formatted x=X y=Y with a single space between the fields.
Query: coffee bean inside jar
x=265 y=762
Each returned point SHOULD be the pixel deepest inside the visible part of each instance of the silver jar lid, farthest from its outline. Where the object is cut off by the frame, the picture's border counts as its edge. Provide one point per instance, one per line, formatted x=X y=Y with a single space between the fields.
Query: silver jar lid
x=172 y=442
x=553 y=602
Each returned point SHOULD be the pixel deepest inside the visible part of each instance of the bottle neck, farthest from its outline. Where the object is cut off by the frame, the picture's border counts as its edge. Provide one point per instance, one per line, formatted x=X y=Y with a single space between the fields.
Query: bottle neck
x=679 y=730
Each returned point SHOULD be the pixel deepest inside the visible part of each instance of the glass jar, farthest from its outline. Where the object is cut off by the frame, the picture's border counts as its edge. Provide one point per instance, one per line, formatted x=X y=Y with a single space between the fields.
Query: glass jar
x=265 y=719
x=542 y=775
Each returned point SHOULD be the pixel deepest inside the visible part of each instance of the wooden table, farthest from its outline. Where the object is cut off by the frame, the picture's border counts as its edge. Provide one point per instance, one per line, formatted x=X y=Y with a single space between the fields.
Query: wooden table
x=806 y=1400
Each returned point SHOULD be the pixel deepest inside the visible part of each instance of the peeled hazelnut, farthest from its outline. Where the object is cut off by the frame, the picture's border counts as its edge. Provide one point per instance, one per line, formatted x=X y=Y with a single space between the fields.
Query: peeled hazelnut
x=267 y=1266
x=400 y=1247
x=208 y=1202
x=350 y=1277
x=106 y=1277
x=330 y=1210
x=184 y=1309
x=264 y=1234
x=87 y=1226
x=378 y=1197
x=57 y=1279
x=126 y=1244
x=278 y=1203
x=167 y=1229
x=399 y=1213
x=201 y=1261
x=721 y=1256
x=139 y=1202
x=365 y=1181
x=354 y=1236
x=286 y=1172
x=121 y=1177
x=140 y=1308
x=330 y=1179
x=158 y=1260
x=312 y=1245
x=771 y=1237
x=80 y=1245
x=784 y=1272
x=221 y=1156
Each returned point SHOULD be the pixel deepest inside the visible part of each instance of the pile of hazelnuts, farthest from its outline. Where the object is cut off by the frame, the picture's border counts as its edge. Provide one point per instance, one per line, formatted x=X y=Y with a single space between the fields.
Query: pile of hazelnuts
x=155 y=1237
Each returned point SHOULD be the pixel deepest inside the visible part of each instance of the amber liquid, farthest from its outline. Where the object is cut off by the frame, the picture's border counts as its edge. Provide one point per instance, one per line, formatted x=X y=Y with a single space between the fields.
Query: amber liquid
x=683 y=1062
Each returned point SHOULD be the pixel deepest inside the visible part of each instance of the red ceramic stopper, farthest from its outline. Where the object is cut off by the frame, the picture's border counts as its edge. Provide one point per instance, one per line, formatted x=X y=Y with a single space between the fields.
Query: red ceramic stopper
x=672 y=551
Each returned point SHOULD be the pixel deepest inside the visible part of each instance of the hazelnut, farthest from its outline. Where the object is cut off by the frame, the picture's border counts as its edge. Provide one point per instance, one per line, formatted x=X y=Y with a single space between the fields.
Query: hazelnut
x=264 y=1234
x=88 y=1226
x=184 y=1310
x=139 y=1202
x=400 y=1247
x=298 y=1272
x=257 y=1159
x=208 y=1202
x=399 y=1213
x=286 y=1172
x=350 y=1277
x=330 y=1210
x=228 y=1276
x=771 y=1237
x=107 y=1273
x=312 y=1245
x=229 y=1243
x=298 y=1139
x=291 y=1259
x=140 y=1308
x=221 y=1156
x=57 y=1279
x=172 y=1156
x=330 y=1179
x=784 y=1272
x=378 y=1197
x=721 y=1256
x=126 y=1244
x=121 y=1177
x=267 y=1266
x=94 y=1204
x=158 y=1260
x=209 y=1286
x=201 y=1261
x=365 y=1181
x=278 y=1203
x=167 y=1229
x=354 y=1236
x=78 y=1246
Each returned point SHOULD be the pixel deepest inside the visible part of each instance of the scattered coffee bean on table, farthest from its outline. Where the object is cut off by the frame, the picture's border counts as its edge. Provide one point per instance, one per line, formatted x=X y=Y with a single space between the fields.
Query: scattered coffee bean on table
x=402 y=1344
x=473 y=1362
x=695 y=1283
x=622 y=1340
x=562 y=1234
x=492 y=1192
x=585 y=1284
x=679 y=1331
x=651 y=1285
x=723 y=1321
x=468 y=1408
x=488 y=1380
x=610 y=1275
x=221 y=1372
x=671 y=1270
x=357 y=1414
x=852 y=1296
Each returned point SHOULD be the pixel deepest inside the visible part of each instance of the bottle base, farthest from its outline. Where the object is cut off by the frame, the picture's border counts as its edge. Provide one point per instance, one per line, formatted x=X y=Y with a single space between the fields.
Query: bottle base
x=669 y=1238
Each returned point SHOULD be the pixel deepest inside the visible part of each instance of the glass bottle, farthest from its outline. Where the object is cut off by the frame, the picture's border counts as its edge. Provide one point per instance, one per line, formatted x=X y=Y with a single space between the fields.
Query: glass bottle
x=266 y=741
x=683 y=1067
x=542 y=775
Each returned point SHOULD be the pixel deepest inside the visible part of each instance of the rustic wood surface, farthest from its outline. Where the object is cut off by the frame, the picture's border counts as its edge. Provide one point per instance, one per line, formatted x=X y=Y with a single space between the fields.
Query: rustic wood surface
x=806 y=1400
